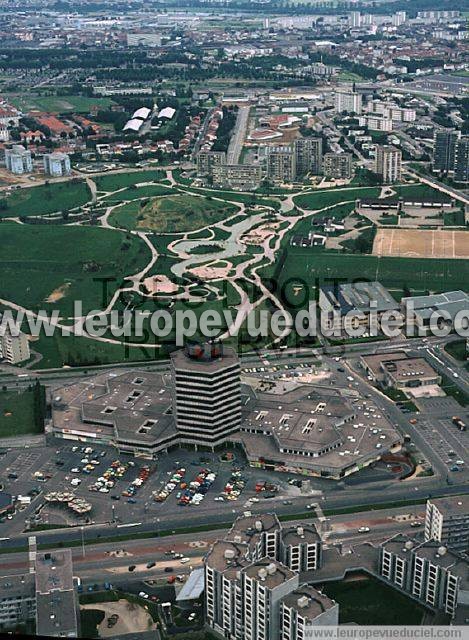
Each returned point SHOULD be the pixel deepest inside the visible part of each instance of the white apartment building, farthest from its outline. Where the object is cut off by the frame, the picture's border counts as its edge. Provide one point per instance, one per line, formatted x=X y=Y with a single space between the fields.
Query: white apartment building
x=349 y=101
x=18 y=160
x=429 y=572
x=4 y=133
x=388 y=163
x=355 y=19
x=301 y=548
x=376 y=123
x=447 y=521
x=57 y=164
x=247 y=580
x=14 y=346
x=399 y=18
x=303 y=610
x=143 y=39
x=264 y=584
x=391 y=111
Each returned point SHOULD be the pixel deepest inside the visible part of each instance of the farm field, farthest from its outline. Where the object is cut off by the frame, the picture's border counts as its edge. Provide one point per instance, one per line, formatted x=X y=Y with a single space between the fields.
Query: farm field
x=63 y=264
x=59 y=104
x=45 y=199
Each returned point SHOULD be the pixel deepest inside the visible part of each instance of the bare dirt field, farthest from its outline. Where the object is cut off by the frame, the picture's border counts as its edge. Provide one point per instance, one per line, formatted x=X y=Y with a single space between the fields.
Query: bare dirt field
x=132 y=618
x=419 y=243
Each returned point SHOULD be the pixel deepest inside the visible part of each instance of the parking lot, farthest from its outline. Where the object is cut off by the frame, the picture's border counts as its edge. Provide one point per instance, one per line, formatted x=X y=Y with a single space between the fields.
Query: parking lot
x=48 y=470
x=129 y=496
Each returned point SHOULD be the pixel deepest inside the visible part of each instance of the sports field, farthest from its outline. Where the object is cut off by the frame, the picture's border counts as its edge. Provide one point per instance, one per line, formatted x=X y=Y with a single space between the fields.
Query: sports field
x=421 y=243
x=59 y=104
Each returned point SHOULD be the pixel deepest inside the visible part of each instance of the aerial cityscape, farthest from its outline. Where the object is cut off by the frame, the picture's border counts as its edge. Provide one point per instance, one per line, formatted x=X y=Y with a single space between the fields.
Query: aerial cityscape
x=234 y=319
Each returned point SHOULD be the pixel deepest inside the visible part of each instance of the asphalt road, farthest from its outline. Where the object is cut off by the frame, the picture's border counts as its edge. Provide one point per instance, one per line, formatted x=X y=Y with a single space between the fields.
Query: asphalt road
x=109 y=562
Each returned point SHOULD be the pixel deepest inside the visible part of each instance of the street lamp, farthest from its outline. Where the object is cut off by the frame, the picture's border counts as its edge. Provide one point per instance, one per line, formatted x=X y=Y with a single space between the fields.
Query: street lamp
x=82 y=541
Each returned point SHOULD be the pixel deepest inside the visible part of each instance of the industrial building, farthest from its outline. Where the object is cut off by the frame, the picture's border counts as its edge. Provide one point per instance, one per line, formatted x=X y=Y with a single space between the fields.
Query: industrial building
x=399 y=371
x=422 y=311
x=344 y=307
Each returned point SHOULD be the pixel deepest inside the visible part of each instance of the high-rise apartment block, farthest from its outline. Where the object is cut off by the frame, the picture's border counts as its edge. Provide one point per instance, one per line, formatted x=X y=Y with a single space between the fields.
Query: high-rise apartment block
x=14 y=345
x=57 y=164
x=337 y=165
x=46 y=595
x=206 y=160
x=303 y=610
x=399 y=18
x=18 y=160
x=252 y=583
x=355 y=19
x=428 y=572
x=388 y=163
x=308 y=153
x=443 y=150
x=281 y=164
x=447 y=521
x=349 y=101
x=461 y=161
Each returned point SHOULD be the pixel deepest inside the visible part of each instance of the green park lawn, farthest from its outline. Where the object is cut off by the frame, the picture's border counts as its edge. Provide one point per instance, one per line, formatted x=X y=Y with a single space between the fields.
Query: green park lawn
x=458 y=350
x=114 y=181
x=133 y=193
x=37 y=260
x=17 y=413
x=327 y=198
x=180 y=212
x=45 y=199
